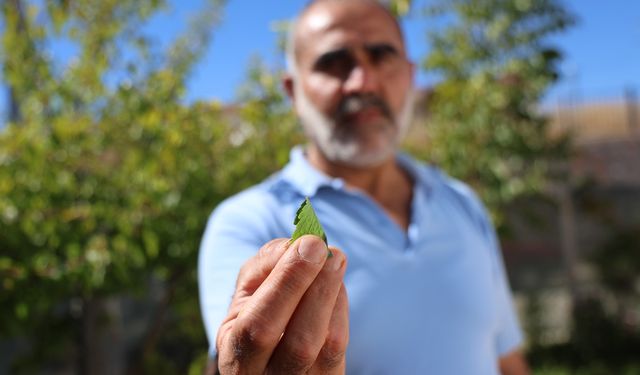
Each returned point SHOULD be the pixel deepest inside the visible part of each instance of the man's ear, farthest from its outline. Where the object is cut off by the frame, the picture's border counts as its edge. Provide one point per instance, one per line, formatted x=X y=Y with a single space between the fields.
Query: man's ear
x=287 y=84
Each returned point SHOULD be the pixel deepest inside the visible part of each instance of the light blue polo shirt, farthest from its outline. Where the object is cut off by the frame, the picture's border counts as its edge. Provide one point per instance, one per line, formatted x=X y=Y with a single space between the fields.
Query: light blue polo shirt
x=431 y=300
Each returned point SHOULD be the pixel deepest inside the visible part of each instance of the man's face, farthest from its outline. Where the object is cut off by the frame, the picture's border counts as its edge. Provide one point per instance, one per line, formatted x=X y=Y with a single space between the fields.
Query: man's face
x=353 y=84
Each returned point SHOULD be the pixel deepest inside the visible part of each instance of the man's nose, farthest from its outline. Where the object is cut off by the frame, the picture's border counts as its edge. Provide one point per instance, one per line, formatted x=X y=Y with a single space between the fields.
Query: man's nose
x=361 y=80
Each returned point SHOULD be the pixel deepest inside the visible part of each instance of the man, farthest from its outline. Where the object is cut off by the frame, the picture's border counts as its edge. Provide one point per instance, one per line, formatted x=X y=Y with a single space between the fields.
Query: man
x=424 y=290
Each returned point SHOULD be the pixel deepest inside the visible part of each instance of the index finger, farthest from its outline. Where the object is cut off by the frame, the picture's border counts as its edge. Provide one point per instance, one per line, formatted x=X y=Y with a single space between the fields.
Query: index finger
x=257 y=268
x=265 y=315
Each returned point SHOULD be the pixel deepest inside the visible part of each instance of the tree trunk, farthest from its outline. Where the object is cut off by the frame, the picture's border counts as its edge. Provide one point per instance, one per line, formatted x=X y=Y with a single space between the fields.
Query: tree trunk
x=102 y=351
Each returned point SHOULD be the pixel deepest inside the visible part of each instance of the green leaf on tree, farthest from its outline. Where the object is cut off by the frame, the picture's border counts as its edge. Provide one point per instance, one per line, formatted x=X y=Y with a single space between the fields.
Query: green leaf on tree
x=307 y=222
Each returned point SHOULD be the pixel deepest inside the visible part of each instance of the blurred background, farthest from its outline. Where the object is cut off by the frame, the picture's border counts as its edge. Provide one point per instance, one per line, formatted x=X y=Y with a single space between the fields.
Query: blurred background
x=125 y=122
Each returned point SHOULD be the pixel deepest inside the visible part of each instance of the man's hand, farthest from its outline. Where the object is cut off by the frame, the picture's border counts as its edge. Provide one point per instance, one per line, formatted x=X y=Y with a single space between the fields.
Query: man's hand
x=514 y=363
x=289 y=313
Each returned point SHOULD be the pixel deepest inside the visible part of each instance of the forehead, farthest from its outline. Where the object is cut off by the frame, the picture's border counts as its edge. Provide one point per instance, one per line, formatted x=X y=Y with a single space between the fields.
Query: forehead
x=329 y=25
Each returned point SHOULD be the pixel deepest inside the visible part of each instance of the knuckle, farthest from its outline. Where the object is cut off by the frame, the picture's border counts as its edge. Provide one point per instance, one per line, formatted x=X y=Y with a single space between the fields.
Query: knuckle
x=333 y=352
x=299 y=359
x=226 y=365
x=246 y=269
x=272 y=250
x=223 y=334
x=304 y=356
x=251 y=339
x=271 y=245
x=331 y=356
x=297 y=274
x=253 y=265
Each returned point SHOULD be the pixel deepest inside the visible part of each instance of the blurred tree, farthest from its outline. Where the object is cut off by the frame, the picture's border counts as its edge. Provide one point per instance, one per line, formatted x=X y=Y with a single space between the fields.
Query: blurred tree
x=495 y=65
x=399 y=7
x=106 y=181
x=606 y=327
x=106 y=178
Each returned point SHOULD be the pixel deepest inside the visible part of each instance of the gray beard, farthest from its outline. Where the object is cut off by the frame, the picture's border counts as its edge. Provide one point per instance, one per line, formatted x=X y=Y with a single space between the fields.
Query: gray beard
x=340 y=145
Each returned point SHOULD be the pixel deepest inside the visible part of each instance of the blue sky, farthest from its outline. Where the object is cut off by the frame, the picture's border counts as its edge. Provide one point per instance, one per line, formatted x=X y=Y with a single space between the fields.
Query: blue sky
x=602 y=51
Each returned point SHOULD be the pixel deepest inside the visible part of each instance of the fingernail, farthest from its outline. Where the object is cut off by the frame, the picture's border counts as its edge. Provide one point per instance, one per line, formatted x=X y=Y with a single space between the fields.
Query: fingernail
x=333 y=262
x=311 y=250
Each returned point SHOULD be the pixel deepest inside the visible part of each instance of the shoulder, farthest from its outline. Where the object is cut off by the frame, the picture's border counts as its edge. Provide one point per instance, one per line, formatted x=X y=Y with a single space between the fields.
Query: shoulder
x=253 y=204
x=256 y=210
x=453 y=191
x=434 y=179
x=465 y=194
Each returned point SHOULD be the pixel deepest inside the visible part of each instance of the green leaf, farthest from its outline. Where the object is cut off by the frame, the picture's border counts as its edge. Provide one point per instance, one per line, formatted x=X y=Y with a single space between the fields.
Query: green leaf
x=307 y=222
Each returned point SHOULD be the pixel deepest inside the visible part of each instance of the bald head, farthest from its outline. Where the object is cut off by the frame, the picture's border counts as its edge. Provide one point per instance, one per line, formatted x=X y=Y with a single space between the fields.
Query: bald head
x=316 y=16
x=350 y=81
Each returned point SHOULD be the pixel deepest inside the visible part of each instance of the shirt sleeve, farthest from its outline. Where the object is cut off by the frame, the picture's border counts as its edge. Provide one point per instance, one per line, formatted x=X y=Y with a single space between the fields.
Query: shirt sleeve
x=509 y=334
x=233 y=234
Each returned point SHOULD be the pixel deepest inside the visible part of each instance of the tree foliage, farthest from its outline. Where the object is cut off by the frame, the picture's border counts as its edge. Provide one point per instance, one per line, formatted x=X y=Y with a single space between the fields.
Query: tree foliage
x=399 y=7
x=107 y=177
x=495 y=64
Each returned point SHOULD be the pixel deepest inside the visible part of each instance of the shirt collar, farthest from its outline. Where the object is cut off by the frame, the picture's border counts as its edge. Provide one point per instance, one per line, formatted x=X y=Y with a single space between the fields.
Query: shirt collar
x=418 y=171
x=307 y=180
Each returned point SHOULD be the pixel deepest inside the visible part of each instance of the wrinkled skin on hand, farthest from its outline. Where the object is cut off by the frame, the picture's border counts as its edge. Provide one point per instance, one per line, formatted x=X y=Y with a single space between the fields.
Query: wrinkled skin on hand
x=289 y=312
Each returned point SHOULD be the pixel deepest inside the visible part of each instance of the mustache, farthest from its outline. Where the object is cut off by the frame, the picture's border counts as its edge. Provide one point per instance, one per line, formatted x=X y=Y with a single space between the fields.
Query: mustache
x=355 y=103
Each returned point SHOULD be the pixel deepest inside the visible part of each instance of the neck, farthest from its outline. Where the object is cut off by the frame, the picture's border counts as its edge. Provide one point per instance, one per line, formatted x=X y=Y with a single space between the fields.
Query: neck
x=367 y=178
x=387 y=183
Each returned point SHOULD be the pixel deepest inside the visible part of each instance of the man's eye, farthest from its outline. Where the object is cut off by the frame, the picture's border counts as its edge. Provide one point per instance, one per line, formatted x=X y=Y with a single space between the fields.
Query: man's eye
x=381 y=53
x=335 y=64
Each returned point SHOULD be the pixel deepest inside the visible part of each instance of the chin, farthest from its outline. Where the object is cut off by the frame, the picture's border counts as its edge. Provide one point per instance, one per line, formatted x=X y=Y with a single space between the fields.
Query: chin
x=354 y=156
